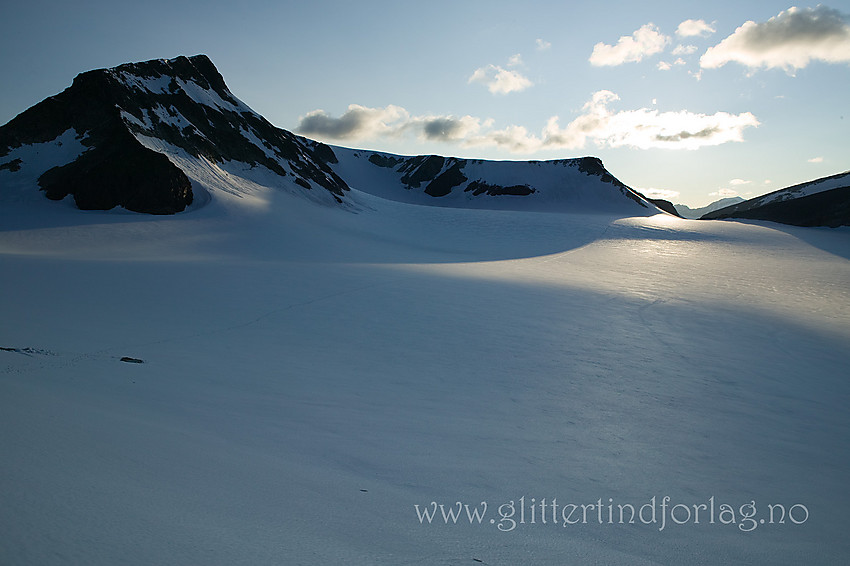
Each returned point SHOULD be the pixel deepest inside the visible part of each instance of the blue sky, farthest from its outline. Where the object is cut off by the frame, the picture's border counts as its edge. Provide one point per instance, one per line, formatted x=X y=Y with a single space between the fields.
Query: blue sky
x=685 y=100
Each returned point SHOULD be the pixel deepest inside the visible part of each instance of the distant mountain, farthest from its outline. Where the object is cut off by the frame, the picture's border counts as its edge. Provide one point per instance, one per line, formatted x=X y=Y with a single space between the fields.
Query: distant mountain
x=151 y=136
x=822 y=202
x=687 y=212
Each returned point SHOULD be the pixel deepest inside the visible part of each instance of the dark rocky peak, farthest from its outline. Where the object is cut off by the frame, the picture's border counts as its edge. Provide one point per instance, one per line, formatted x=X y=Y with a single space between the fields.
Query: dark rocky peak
x=134 y=115
x=197 y=69
x=591 y=166
x=185 y=102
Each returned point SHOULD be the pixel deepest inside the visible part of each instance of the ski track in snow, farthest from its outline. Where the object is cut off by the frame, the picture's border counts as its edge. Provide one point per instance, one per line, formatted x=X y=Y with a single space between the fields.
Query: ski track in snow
x=68 y=359
x=657 y=336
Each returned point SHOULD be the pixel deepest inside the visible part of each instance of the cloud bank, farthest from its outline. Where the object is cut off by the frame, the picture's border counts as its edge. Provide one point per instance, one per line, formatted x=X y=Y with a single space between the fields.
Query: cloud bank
x=645 y=128
x=789 y=41
x=724 y=193
x=357 y=122
x=361 y=122
x=598 y=124
x=666 y=194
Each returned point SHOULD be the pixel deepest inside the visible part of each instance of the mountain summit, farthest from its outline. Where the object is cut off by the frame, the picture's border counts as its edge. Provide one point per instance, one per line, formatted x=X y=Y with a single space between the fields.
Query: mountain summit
x=153 y=136
x=126 y=120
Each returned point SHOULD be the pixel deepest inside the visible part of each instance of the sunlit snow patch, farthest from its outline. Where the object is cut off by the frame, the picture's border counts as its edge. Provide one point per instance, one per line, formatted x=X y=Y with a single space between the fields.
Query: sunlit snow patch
x=23 y=165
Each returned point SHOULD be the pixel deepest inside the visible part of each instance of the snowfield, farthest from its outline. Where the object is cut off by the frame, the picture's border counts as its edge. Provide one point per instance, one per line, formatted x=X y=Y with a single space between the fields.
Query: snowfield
x=318 y=381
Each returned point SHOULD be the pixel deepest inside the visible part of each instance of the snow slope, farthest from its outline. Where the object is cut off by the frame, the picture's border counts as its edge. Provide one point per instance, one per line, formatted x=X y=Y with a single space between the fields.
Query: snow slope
x=312 y=374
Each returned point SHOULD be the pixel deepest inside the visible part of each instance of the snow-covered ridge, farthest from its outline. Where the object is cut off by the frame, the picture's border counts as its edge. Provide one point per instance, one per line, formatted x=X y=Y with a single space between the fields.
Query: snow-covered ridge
x=579 y=185
x=806 y=189
x=822 y=202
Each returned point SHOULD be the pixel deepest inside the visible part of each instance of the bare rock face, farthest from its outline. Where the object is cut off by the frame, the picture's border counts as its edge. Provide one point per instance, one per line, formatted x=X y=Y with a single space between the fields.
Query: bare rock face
x=120 y=174
x=115 y=169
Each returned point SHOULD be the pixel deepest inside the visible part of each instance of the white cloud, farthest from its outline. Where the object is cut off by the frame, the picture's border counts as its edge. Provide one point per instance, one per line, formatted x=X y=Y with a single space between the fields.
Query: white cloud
x=816 y=160
x=665 y=194
x=690 y=28
x=724 y=193
x=739 y=182
x=645 y=128
x=630 y=48
x=499 y=80
x=684 y=49
x=666 y=65
x=642 y=128
x=515 y=60
x=543 y=45
x=789 y=41
x=515 y=139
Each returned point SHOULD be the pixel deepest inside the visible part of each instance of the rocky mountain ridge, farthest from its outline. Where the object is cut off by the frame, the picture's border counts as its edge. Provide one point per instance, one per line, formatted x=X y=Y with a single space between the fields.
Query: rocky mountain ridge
x=822 y=202
x=136 y=135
